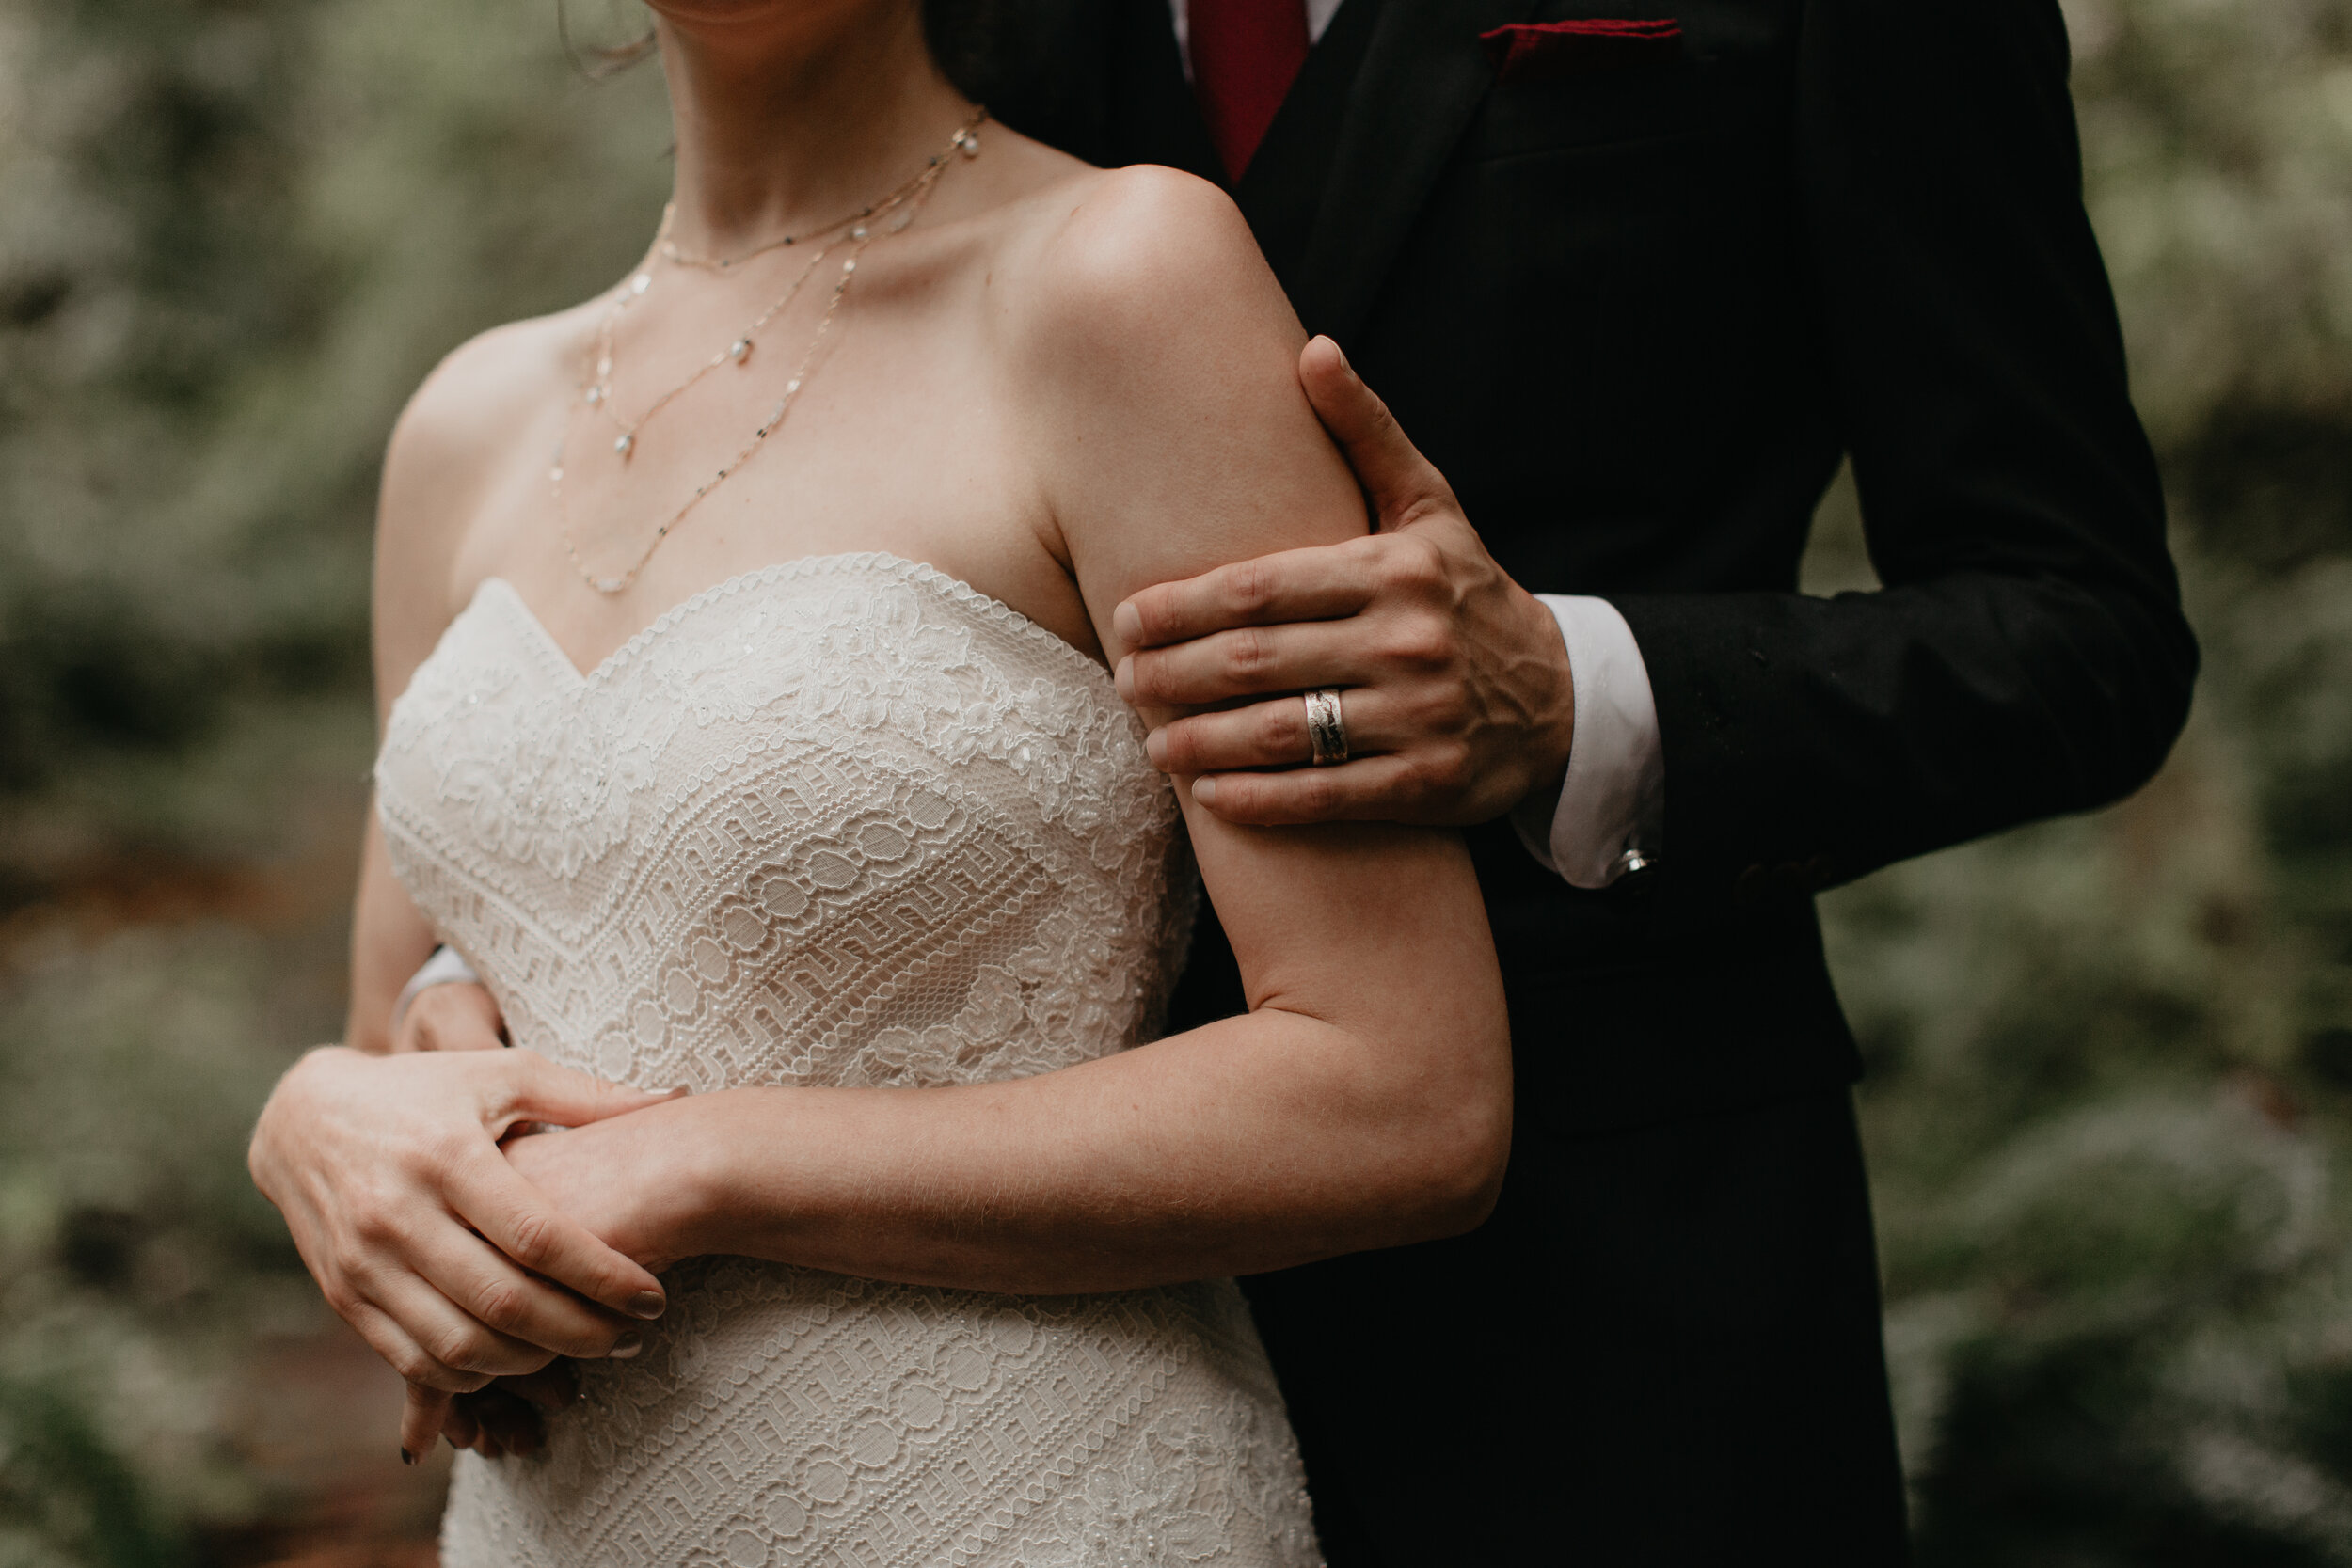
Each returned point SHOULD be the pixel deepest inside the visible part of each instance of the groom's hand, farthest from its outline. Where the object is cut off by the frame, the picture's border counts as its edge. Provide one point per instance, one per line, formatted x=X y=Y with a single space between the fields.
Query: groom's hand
x=1453 y=680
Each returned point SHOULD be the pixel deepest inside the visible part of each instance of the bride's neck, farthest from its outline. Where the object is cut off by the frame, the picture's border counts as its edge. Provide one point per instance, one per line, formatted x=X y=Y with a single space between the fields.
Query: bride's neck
x=796 y=114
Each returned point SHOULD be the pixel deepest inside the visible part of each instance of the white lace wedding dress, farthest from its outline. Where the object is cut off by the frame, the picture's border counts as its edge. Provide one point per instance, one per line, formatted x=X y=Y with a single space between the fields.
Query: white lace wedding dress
x=842 y=821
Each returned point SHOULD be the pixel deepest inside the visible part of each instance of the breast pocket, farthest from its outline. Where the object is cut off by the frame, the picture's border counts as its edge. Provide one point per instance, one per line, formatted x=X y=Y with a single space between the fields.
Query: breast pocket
x=1582 y=80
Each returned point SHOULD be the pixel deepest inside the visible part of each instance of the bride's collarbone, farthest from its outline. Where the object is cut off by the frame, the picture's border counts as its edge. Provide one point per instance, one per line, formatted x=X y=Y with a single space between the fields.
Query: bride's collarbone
x=905 y=436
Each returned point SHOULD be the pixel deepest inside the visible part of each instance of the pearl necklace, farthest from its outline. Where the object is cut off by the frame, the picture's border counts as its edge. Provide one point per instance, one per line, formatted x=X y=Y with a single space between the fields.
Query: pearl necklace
x=595 y=391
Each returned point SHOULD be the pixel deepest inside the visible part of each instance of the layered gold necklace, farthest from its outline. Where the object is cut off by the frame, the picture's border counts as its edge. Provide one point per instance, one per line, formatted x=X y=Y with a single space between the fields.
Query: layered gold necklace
x=891 y=214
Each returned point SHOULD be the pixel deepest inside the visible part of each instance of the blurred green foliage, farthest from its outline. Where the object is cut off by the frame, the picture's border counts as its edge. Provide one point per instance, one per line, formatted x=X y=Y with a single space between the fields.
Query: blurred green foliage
x=233 y=235
x=2111 y=1058
x=2110 y=1087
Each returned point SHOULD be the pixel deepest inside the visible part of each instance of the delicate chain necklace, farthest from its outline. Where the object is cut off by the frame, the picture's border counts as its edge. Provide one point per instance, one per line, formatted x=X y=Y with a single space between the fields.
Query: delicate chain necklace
x=598 y=394
x=965 y=140
x=597 y=390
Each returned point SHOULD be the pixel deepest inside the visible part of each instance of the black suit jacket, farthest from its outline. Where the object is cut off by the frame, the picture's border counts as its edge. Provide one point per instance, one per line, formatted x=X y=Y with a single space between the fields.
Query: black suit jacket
x=1637 y=315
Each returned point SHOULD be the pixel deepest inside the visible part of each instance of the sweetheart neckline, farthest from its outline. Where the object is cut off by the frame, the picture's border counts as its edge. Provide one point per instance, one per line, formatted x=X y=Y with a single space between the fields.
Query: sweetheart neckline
x=954 y=589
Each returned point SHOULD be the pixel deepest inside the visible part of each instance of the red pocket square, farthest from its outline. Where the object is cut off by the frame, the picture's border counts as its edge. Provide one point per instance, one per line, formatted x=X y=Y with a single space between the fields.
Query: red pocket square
x=1547 y=51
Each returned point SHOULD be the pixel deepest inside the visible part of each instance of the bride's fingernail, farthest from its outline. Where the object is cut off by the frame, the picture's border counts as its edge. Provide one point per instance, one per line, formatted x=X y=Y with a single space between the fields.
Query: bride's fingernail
x=1156 y=747
x=1205 y=791
x=647 y=1305
x=1127 y=624
x=627 y=1346
x=1123 y=680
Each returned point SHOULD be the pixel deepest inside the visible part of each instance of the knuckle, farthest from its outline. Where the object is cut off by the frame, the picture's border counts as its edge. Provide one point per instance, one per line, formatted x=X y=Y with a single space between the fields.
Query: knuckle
x=1318 y=794
x=347 y=1262
x=1438 y=709
x=446 y=1148
x=1146 y=673
x=372 y=1226
x=1179 y=752
x=1251 y=652
x=1421 y=643
x=1432 y=772
x=415 y=1366
x=505 y=1306
x=1250 y=587
x=462 y=1349
x=533 y=1240
x=1276 y=729
x=1415 y=565
x=1448 y=770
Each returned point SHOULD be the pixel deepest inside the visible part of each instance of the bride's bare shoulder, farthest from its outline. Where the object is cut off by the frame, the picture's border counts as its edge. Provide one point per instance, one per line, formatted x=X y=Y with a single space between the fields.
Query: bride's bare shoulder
x=487 y=391
x=1135 y=254
x=1159 y=357
x=458 y=438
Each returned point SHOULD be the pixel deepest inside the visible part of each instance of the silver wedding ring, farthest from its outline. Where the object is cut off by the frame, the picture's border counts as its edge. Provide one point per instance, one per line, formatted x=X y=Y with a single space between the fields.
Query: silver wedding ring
x=1327 y=728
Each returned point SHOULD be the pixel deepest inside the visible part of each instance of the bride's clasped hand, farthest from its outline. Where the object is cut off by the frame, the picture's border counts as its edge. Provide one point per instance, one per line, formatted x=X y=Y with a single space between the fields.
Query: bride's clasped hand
x=432 y=1126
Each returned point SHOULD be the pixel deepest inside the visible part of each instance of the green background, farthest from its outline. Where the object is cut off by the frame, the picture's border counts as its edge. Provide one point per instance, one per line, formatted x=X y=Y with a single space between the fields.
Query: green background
x=2110 y=1085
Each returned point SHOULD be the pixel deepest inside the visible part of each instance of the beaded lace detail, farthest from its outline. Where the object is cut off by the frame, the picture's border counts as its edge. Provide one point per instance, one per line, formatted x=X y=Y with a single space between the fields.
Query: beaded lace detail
x=838 y=821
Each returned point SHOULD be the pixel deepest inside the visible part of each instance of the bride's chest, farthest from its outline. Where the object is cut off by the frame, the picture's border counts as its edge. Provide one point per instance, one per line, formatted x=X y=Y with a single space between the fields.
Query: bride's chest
x=823 y=802
x=778 y=702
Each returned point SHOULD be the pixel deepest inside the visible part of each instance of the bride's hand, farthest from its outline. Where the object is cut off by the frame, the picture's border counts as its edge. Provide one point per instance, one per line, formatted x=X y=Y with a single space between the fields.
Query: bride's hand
x=627 y=1179
x=423 y=1236
x=609 y=1177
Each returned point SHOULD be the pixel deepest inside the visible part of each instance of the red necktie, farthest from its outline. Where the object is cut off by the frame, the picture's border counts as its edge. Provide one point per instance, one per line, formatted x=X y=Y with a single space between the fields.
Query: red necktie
x=1245 y=56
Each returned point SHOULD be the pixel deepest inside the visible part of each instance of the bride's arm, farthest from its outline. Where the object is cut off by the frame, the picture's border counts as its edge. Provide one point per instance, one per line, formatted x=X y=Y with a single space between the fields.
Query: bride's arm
x=387 y=1168
x=1365 y=1099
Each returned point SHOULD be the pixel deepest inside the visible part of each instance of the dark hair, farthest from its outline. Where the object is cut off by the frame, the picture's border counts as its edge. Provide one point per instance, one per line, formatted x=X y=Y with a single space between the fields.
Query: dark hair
x=967 y=38
x=961 y=34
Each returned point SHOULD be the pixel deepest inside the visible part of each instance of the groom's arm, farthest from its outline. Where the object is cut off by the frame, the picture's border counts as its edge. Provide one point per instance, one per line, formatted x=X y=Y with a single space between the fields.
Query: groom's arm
x=2027 y=654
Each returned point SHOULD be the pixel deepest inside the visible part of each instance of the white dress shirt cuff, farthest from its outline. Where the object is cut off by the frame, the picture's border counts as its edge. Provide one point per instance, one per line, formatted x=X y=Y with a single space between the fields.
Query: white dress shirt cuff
x=1614 y=797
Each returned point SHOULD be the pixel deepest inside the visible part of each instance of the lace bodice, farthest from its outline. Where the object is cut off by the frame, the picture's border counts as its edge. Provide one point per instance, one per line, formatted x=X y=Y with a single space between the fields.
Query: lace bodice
x=840 y=821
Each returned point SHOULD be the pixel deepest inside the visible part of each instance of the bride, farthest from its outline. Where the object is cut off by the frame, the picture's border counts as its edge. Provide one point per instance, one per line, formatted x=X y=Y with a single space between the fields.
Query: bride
x=747 y=640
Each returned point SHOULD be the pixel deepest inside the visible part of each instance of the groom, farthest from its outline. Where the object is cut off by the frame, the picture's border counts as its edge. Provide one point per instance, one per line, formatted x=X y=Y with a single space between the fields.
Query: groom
x=1636 y=275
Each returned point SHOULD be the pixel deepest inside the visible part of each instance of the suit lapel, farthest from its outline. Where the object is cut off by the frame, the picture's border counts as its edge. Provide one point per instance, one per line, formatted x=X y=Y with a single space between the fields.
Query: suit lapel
x=1283 y=188
x=1332 y=207
x=1422 y=77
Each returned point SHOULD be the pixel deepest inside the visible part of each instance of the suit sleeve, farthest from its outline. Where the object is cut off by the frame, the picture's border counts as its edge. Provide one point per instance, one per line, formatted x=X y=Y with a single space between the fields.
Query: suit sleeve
x=2027 y=654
